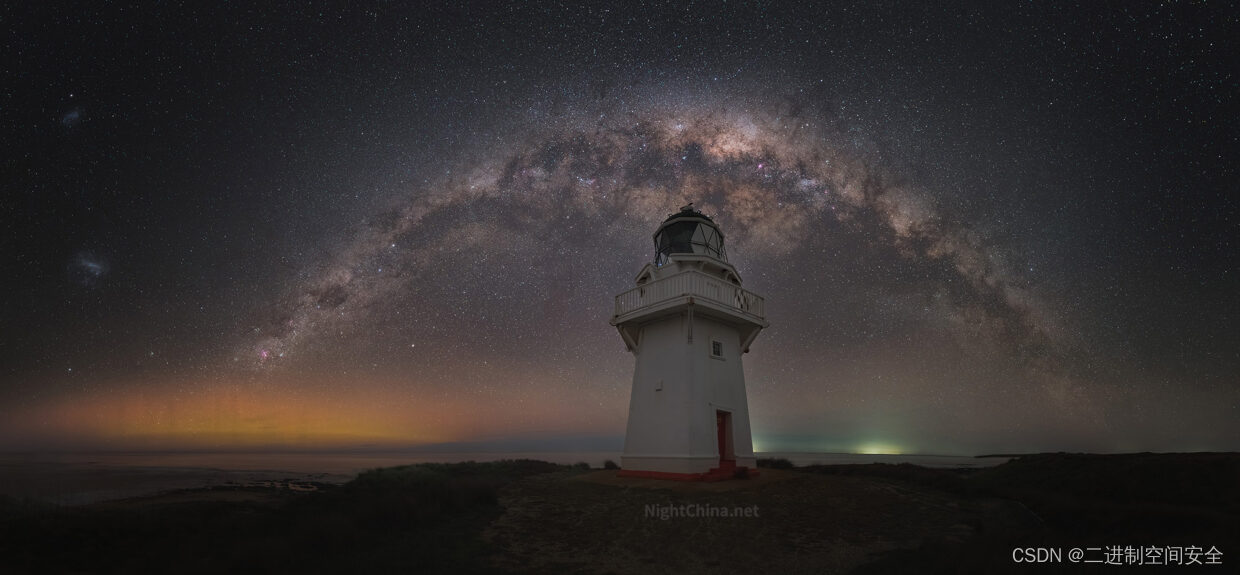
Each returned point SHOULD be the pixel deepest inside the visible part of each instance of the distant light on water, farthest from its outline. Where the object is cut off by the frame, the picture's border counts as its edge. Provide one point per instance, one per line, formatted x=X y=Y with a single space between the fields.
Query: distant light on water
x=878 y=448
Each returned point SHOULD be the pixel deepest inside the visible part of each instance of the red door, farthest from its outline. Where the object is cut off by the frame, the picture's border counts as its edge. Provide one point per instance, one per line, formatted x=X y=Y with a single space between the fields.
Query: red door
x=721 y=424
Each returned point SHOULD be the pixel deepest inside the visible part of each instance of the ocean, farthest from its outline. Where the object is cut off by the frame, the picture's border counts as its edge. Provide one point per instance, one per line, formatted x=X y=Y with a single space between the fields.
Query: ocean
x=83 y=478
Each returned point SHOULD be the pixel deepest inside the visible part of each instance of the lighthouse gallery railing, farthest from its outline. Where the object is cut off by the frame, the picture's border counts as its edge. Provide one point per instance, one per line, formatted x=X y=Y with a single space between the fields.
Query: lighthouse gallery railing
x=690 y=283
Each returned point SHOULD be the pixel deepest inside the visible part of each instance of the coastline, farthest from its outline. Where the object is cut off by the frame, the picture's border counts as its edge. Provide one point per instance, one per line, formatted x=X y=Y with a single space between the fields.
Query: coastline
x=79 y=478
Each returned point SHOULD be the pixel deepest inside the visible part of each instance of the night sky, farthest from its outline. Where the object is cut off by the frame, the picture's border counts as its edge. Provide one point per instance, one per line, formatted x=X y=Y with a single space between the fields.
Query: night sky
x=985 y=227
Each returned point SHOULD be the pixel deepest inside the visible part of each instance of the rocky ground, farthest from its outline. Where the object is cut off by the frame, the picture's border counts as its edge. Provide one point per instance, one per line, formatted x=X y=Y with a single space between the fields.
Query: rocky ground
x=537 y=517
x=805 y=523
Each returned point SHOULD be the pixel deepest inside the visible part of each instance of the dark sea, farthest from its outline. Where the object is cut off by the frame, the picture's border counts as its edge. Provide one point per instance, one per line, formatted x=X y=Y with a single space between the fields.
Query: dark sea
x=83 y=478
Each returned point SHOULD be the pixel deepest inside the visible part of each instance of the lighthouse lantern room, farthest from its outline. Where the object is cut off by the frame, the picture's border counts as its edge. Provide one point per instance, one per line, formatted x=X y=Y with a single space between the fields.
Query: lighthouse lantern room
x=688 y=322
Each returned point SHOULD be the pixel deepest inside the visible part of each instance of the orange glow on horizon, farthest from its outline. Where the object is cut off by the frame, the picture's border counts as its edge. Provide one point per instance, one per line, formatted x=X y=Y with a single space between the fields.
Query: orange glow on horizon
x=369 y=414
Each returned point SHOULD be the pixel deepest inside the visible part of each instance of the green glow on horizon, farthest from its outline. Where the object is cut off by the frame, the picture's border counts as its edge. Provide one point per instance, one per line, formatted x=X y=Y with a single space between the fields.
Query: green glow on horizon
x=878 y=448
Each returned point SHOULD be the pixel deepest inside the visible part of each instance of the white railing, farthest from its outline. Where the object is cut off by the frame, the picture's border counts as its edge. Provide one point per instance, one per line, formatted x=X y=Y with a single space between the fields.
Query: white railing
x=690 y=283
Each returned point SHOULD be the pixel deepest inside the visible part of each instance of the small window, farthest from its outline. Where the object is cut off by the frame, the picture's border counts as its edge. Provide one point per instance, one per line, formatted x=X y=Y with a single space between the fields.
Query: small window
x=716 y=348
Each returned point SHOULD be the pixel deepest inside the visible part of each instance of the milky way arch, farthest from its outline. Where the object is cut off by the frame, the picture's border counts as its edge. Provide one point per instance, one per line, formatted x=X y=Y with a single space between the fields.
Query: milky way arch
x=771 y=170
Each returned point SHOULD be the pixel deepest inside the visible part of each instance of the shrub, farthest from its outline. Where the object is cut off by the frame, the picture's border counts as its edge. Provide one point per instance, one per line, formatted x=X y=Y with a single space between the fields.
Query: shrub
x=775 y=463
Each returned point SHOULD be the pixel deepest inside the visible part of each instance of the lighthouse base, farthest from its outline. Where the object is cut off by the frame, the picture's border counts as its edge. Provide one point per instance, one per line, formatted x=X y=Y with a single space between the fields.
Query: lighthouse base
x=687 y=468
x=716 y=474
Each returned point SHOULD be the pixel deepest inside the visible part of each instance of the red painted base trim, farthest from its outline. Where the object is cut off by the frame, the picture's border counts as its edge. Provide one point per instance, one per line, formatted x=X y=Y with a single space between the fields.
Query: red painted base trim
x=717 y=474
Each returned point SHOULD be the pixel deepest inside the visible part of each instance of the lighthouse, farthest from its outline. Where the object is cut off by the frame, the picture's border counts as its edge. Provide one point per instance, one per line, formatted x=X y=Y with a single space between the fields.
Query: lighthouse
x=688 y=323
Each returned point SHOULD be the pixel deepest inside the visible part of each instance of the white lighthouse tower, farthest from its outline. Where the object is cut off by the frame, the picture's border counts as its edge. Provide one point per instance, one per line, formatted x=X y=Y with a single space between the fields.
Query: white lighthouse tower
x=688 y=322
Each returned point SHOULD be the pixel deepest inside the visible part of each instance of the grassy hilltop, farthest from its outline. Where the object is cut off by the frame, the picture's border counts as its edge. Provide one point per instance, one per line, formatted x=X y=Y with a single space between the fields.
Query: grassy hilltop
x=532 y=516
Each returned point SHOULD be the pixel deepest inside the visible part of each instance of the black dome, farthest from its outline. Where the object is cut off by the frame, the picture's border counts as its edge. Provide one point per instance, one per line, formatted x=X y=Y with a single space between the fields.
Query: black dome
x=688 y=212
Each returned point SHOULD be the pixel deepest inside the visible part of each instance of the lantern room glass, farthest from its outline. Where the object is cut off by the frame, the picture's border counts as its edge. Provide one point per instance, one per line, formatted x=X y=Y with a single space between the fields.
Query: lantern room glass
x=689 y=236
